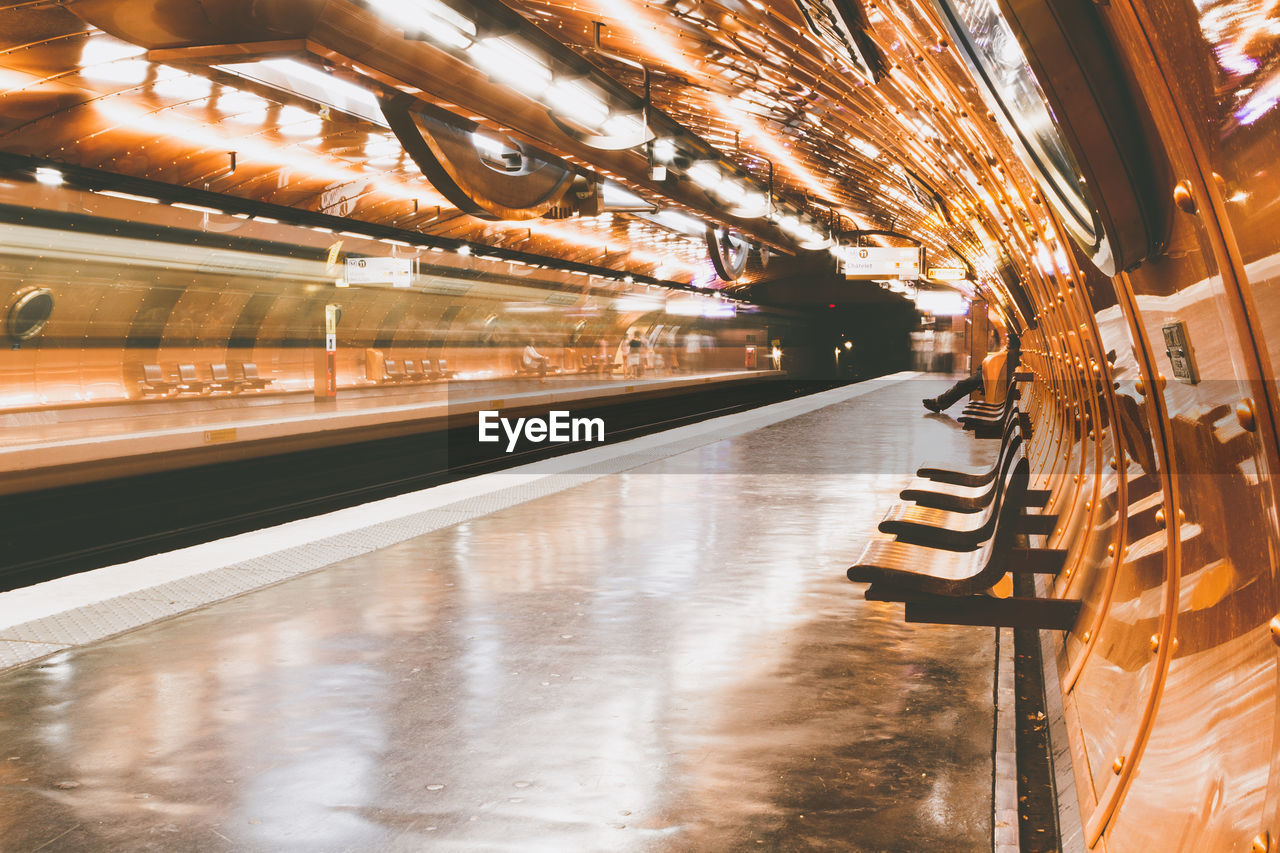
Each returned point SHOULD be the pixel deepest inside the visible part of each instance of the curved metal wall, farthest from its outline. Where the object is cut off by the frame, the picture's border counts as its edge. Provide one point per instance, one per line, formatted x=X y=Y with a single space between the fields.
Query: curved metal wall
x=1166 y=489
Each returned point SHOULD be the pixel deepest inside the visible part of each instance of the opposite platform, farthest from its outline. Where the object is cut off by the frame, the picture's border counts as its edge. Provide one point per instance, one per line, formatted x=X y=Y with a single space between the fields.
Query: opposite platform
x=652 y=648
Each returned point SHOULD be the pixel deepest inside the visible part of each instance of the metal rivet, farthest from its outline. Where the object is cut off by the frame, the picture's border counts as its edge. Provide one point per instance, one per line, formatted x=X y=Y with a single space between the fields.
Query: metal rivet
x=1111 y=550
x=1155 y=643
x=1140 y=387
x=1117 y=765
x=1261 y=843
x=1275 y=629
x=1115 y=463
x=1160 y=516
x=1183 y=198
x=1085 y=637
x=1246 y=415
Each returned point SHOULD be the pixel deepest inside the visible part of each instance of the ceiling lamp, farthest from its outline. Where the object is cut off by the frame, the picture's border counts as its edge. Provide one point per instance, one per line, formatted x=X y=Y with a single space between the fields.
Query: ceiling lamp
x=430 y=20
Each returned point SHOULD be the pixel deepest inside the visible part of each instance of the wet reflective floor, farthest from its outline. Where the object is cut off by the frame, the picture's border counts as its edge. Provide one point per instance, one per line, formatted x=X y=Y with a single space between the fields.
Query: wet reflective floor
x=666 y=659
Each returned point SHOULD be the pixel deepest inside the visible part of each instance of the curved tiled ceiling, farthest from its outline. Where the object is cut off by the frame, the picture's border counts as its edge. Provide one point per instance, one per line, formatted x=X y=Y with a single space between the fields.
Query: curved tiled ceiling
x=913 y=153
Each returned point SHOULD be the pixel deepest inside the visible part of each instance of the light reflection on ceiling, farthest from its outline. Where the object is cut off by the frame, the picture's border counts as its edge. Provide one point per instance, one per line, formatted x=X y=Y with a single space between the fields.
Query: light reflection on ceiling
x=746 y=77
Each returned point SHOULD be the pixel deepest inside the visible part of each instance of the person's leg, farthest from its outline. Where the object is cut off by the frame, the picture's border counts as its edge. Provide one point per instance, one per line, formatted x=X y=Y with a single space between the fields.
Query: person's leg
x=948 y=398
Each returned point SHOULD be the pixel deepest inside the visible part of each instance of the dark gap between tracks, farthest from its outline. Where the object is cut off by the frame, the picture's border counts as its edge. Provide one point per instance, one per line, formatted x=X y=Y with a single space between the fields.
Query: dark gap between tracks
x=57 y=532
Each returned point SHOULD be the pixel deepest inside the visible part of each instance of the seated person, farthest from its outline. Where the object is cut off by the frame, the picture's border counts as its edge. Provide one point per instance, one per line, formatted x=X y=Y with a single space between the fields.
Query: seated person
x=1009 y=354
x=531 y=359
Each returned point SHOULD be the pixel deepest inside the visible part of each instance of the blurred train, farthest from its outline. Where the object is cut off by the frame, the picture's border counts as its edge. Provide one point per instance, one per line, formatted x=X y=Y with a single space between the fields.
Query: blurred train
x=104 y=310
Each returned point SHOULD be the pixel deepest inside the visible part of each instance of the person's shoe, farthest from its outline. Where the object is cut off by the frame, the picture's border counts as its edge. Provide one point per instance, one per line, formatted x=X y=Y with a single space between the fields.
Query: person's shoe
x=932 y=404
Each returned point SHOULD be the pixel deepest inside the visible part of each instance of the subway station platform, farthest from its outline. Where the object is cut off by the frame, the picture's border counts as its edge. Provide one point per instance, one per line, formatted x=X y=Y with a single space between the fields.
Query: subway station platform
x=644 y=646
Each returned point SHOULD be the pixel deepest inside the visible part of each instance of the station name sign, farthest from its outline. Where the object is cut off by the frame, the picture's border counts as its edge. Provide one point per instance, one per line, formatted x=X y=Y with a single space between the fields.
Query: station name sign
x=875 y=262
x=396 y=272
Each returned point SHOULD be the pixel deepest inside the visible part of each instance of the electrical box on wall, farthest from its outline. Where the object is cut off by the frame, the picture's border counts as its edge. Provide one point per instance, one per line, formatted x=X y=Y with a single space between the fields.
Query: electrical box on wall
x=1178 y=347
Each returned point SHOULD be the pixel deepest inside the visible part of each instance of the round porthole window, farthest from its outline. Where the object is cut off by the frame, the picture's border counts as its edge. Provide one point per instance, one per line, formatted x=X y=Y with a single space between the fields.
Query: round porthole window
x=29 y=312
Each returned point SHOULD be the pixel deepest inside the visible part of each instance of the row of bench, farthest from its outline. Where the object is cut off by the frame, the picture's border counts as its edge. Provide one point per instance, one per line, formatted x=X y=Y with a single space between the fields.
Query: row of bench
x=414 y=370
x=958 y=534
x=188 y=381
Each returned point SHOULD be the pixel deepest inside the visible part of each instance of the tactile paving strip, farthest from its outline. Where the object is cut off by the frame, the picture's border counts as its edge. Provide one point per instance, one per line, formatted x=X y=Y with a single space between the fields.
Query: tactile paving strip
x=14 y=653
x=28 y=641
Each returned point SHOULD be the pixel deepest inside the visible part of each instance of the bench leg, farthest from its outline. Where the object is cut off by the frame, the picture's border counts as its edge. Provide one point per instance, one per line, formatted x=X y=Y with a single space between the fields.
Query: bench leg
x=1049 y=613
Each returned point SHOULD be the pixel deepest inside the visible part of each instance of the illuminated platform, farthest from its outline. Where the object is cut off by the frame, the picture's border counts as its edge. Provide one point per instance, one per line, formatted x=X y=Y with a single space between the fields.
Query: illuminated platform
x=649 y=645
x=46 y=448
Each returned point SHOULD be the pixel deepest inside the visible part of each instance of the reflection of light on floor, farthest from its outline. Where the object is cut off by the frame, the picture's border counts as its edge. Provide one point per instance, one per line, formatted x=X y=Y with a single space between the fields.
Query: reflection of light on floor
x=326 y=741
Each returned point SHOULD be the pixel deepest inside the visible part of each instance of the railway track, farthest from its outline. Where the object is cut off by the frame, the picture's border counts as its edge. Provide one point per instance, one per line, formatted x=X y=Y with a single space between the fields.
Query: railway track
x=62 y=531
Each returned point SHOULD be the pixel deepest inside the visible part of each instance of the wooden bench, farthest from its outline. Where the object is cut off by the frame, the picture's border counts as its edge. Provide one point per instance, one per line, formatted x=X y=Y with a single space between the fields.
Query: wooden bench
x=412 y=371
x=249 y=377
x=189 y=381
x=153 y=381
x=950 y=530
x=392 y=371
x=955 y=587
x=979 y=490
x=441 y=369
x=222 y=380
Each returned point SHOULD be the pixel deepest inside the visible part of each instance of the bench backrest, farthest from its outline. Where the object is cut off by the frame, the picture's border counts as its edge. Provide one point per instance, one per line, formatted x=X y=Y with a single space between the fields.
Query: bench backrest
x=152 y=373
x=392 y=367
x=219 y=372
x=249 y=370
x=997 y=549
x=187 y=373
x=410 y=366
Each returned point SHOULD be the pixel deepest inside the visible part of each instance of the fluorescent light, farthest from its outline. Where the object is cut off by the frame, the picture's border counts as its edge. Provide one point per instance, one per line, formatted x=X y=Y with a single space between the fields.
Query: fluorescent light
x=754 y=203
x=732 y=192
x=664 y=150
x=706 y=175
x=624 y=126
x=947 y=303
x=677 y=221
x=495 y=148
x=48 y=177
x=129 y=196
x=511 y=63
x=429 y=18
x=311 y=83
x=464 y=250
x=577 y=101
x=197 y=208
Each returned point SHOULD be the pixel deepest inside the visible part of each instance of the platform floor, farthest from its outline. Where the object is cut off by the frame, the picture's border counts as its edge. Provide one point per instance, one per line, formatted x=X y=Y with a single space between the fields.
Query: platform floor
x=667 y=658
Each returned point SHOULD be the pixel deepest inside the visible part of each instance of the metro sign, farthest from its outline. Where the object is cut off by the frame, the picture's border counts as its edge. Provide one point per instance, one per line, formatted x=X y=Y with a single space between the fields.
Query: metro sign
x=874 y=262
x=397 y=272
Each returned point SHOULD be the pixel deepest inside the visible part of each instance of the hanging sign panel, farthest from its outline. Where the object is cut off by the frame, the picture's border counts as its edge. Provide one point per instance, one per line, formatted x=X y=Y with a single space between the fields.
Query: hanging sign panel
x=872 y=262
x=393 y=271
